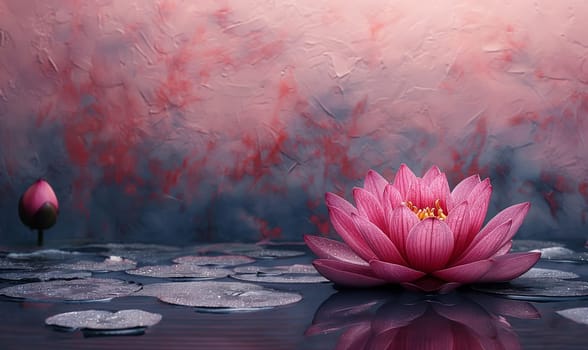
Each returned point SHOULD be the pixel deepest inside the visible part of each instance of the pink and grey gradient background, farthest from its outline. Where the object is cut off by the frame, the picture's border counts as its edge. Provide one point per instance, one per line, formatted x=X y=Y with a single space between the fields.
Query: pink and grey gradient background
x=180 y=121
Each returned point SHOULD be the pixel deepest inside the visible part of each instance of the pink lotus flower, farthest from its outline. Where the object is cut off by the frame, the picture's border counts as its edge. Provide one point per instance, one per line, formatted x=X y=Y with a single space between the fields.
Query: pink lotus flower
x=38 y=207
x=417 y=233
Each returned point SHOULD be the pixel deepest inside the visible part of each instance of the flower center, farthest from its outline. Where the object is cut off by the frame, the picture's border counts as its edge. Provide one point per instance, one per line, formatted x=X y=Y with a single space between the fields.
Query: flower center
x=423 y=213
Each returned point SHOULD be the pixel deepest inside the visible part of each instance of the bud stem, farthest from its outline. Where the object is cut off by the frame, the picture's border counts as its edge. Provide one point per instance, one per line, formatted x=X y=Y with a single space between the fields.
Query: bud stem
x=39 y=238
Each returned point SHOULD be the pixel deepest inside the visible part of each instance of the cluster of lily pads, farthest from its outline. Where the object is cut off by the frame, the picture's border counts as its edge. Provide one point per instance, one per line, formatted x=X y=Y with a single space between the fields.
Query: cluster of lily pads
x=203 y=277
x=223 y=278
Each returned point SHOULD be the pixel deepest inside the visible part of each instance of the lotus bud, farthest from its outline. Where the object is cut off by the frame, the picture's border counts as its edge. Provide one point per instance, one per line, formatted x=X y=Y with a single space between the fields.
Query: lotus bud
x=38 y=208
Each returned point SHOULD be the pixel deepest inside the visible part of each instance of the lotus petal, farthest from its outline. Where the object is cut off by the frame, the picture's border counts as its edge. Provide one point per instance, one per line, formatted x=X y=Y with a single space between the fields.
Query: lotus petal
x=377 y=240
x=345 y=227
x=461 y=192
x=394 y=273
x=400 y=222
x=345 y=274
x=369 y=206
x=326 y=248
x=404 y=179
x=375 y=183
x=510 y=266
x=429 y=245
x=466 y=273
x=487 y=246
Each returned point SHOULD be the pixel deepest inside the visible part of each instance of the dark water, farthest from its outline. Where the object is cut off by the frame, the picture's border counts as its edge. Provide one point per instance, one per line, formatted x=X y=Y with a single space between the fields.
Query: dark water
x=324 y=319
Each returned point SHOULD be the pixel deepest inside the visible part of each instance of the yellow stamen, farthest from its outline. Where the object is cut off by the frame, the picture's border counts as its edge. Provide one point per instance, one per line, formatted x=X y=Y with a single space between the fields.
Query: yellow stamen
x=423 y=213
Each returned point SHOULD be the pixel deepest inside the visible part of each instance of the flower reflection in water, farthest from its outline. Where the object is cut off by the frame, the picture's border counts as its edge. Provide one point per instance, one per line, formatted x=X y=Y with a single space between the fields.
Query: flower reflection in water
x=379 y=320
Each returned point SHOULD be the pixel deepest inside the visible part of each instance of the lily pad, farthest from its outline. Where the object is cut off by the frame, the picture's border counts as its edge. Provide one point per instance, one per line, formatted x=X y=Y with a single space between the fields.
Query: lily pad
x=578 y=315
x=563 y=255
x=7 y=264
x=222 y=296
x=537 y=289
x=43 y=255
x=112 y=263
x=44 y=275
x=277 y=270
x=286 y=278
x=100 y=322
x=549 y=273
x=523 y=245
x=219 y=260
x=273 y=253
x=89 y=289
x=279 y=274
x=180 y=271
x=228 y=248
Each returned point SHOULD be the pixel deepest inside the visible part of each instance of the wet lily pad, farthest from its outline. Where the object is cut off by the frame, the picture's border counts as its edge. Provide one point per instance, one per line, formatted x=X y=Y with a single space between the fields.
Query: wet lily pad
x=45 y=254
x=100 y=322
x=277 y=270
x=145 y=253
x=45 y=275
x=7 y=264
x=112 y=263
x=222 y=296
x=537 y=289
x=180 y=271
x=89 y=289
x=563 y=255
x=297 y=273
x=578 y=315
x=219 y=260
x=286 y=278
x=273 y=253
x=228 y=248
x=523 y=245
x=548 y=273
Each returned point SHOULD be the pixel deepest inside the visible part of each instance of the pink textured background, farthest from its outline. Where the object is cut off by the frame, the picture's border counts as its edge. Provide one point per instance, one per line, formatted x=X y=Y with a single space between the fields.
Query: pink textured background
x=177 y=121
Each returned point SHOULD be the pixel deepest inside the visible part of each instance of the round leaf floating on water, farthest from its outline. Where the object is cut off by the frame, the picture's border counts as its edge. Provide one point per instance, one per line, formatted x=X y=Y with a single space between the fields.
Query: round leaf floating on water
x=100 y=322
x=560 y=254
x=183 y=271
x=579 y=314
x=297 y=273
x=273 y=253
x=89 y=289
x=219 y=260
x=112 y=263
x=525 y=245
x=44 y=275
x=536 y=272
x=227 y=296
x=537 y=289
x=228 y=248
